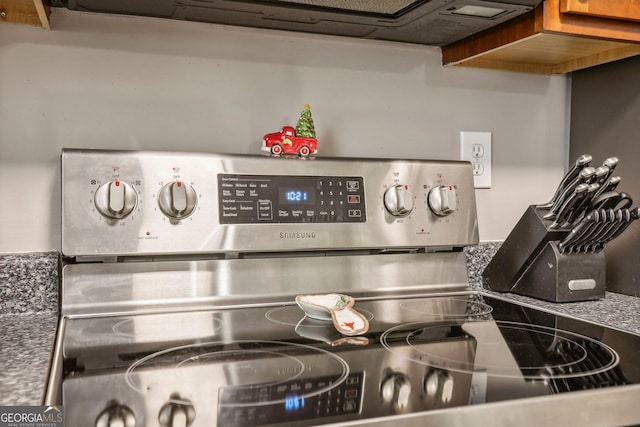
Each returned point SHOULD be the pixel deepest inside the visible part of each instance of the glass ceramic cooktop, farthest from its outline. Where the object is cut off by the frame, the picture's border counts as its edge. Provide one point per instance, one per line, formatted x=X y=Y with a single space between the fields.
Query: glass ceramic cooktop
x=271 y=365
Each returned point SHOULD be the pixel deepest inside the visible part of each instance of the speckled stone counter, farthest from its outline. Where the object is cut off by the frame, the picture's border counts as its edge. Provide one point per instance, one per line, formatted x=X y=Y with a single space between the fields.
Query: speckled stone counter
x=29 y=283
x=25 y=349
x=28 y=318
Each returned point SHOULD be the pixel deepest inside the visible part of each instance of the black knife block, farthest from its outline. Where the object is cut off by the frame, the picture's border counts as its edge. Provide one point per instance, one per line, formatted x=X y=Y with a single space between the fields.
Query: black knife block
x=523 y=244
x=558 y=277
x=529 y=263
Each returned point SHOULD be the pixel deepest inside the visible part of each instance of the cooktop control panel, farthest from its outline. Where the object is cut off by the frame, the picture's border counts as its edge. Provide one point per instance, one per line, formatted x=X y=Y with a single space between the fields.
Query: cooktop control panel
x=344 y=399
x=133 y=203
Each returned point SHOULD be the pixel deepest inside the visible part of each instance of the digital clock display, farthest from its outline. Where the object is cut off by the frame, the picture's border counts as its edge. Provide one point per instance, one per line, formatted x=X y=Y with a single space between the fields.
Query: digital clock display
x=293 y=403
x=297 y=195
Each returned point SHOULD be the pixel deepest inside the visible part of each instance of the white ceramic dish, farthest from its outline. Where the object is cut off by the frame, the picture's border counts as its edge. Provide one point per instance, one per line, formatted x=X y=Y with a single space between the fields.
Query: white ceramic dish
x=337 y=308
x=319 y=306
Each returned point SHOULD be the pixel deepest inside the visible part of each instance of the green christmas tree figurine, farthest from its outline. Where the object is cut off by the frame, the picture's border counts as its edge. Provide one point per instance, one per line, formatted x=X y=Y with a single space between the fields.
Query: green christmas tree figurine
x=304 y=127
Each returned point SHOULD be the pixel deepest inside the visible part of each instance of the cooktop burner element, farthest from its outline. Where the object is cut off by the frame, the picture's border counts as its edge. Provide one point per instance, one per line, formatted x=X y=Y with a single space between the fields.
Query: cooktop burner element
x=567 y=356
x=178 y=302
x=251 y=378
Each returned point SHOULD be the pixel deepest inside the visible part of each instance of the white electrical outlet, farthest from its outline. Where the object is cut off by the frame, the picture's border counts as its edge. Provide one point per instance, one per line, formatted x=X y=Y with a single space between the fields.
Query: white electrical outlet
x=476 y=148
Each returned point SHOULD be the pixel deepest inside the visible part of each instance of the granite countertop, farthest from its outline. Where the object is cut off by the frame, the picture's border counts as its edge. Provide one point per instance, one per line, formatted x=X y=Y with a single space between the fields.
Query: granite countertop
x=29 y=315
x=28 y=321
x=25 y=351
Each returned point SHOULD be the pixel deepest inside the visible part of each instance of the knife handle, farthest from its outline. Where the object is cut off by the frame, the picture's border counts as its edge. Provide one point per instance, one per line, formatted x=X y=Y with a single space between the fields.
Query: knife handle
x=609 y=185
x=615 y=232
x=634 y=214
x=581 y=162
x=584 y=177
x=563 y=213
x=610 y=225
x=577 y=231
x=599 y=216
x=582 y=207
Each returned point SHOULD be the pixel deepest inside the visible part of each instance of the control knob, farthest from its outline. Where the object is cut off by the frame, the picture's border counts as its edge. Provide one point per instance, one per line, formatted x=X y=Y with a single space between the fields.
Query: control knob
x=442 y=200
x=398 y=200
x=438 y=385
x=177 y=200
x=396 y=389
x=177 y=412
x=115 y=199
x=116 y=415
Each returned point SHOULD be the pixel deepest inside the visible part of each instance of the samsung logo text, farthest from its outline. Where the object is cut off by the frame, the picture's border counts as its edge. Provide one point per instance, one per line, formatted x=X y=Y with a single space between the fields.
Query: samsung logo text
x=297 y=235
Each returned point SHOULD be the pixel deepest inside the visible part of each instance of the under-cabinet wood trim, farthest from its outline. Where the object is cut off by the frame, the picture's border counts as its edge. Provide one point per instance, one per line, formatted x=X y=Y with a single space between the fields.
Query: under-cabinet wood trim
x=551 y=53
x=509 y=32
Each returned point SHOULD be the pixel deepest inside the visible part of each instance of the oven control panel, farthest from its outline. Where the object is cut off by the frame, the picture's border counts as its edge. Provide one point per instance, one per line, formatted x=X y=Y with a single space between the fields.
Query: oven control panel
x=132 y=203
x=249 y=199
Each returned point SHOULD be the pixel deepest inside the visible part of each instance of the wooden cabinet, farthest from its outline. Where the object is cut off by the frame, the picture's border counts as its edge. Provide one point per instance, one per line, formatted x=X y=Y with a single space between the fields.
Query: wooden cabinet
x=626 y=10
x=557 y=37
x=32 y=12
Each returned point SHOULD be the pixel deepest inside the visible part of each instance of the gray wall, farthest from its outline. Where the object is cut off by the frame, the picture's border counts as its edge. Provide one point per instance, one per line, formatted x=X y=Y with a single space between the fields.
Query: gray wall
x=605 y=122
x=142 y=83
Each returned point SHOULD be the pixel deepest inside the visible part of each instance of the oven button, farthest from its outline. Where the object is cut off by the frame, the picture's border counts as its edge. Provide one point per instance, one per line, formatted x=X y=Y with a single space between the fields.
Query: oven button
x=177 y=412
x=115 y=199
x=442 y=200
x=116 y=416
x=396 y=389
x=398 y=200
x=177 y=200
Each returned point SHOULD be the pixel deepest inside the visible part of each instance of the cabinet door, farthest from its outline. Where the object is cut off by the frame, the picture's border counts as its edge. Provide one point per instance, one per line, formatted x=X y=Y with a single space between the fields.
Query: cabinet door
x=614 y=9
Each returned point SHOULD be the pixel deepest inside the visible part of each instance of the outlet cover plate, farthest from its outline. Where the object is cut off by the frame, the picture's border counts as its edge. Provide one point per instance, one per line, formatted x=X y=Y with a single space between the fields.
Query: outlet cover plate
x=476 y=148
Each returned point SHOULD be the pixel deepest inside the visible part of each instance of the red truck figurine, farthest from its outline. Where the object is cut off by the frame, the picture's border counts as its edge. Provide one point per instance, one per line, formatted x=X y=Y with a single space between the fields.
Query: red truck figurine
x=286 y=142
x=301 y=140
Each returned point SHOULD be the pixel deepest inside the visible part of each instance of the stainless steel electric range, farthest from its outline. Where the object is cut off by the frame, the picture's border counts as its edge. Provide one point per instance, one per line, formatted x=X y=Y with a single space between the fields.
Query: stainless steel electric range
x=180 y=272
